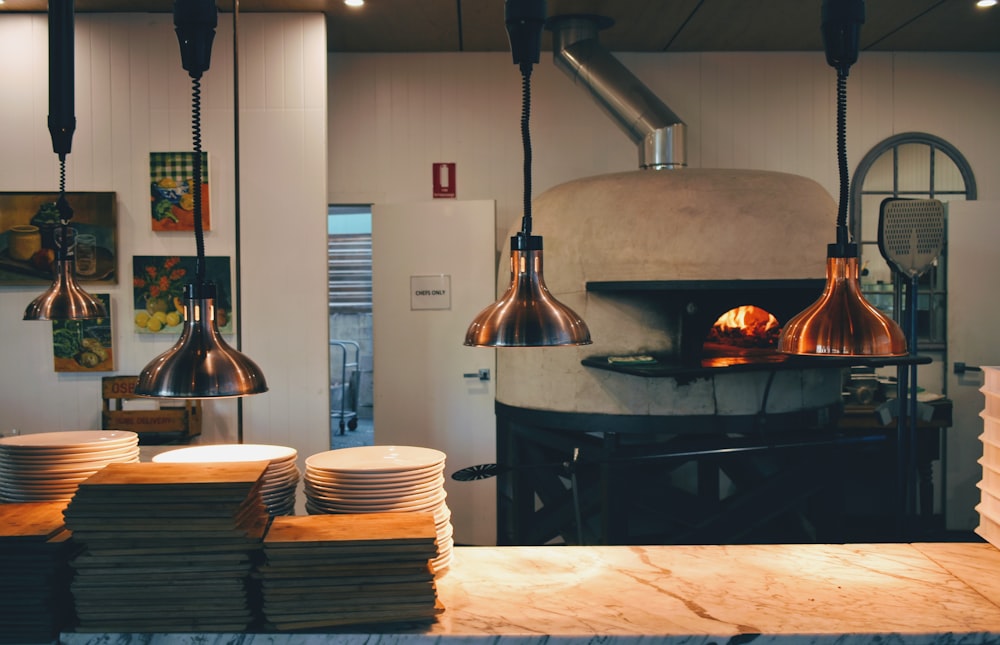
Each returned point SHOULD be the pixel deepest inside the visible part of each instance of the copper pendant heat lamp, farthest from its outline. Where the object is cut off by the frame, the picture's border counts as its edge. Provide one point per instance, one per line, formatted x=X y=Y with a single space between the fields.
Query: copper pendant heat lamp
x=527 y=315
x=201 y=364
x=64 y=299
x=842 y=322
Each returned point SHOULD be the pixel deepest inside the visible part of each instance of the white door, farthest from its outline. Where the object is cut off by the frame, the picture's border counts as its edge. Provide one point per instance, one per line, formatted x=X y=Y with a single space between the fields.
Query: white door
x=433 y=270
x=973 y=312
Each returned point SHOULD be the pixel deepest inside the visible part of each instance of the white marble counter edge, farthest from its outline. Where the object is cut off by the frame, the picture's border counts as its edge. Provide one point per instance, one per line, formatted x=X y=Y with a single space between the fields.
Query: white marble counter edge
x=432 y=639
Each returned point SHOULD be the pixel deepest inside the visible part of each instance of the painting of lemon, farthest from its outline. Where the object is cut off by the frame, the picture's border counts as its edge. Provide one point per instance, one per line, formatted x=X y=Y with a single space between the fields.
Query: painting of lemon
x=159 y=284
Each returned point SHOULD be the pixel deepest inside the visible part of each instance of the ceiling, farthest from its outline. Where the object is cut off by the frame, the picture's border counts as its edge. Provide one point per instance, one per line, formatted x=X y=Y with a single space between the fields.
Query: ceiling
x=639 y=25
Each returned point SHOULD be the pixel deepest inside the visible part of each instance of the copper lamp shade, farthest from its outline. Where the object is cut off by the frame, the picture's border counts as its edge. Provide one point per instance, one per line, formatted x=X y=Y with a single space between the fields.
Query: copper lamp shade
x=527 y=315
x=64 y=300
x=841 y=322
x=201 y=364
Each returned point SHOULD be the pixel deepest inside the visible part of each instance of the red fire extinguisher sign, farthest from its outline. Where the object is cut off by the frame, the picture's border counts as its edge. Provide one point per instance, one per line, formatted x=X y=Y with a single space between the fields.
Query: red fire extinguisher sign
x=444 y=180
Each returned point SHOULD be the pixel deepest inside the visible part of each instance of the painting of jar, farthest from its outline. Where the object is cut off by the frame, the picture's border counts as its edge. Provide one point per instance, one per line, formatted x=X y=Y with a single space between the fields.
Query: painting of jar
x=29 y=236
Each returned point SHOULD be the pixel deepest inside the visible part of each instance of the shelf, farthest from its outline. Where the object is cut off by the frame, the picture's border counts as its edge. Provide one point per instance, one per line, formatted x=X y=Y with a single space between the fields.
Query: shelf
x=617 y=286
x=669 y=367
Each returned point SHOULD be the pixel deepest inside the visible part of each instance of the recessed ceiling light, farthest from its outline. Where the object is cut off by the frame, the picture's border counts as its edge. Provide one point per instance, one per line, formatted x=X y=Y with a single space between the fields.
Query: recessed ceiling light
x=982 y=4
x=354 y=3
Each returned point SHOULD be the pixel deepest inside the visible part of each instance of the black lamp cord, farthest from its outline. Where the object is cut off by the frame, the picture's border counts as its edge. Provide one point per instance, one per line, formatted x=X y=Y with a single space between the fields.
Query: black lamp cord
x=64 y=250
x=526 y=143
x=840 y=23
x=199 y=233
x=842 y=235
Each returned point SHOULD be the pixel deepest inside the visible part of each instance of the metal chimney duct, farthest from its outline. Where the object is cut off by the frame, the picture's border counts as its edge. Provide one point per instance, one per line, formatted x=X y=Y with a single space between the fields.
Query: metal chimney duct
x=656 y=130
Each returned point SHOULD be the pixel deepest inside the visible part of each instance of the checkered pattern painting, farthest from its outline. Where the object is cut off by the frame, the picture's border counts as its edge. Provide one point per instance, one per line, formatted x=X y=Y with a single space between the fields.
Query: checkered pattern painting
x=171 y=186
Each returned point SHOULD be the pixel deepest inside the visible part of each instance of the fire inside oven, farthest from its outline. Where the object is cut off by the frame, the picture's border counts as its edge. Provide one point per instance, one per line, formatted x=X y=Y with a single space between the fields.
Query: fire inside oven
x=743 y=328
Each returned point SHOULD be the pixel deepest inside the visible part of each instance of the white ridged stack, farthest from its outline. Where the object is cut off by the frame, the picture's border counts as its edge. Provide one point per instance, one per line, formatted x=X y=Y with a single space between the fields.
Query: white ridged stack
x=989 y=486
x=48 y=466
x=381 y=479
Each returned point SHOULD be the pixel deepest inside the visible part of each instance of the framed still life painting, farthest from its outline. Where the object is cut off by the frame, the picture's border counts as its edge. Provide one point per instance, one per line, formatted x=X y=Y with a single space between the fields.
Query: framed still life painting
x=171 y=191
x=28 y=223
x=158 y=283
x=84 y=345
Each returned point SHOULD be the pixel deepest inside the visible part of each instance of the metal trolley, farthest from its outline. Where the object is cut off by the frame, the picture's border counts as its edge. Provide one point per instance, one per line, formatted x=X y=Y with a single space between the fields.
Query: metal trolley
x=345 y=417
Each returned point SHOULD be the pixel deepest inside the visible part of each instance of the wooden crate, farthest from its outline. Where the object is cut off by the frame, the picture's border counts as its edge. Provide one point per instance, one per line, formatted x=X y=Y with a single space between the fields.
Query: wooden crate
x=183 y=420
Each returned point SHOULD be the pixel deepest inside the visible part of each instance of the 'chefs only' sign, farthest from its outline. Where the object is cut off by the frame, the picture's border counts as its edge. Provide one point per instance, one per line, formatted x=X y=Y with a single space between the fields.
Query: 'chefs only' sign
x=430 y=292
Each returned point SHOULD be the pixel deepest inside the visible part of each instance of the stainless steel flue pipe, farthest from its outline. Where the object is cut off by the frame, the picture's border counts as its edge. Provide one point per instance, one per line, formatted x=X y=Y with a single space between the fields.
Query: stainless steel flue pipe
x=656 y=130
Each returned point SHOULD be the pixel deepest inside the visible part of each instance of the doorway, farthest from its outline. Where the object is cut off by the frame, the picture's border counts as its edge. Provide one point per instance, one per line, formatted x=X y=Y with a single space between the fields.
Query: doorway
x=349 y=294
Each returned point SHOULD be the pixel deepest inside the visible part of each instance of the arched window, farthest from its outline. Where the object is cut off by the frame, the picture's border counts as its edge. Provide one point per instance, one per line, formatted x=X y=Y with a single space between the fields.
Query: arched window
x=910 y=165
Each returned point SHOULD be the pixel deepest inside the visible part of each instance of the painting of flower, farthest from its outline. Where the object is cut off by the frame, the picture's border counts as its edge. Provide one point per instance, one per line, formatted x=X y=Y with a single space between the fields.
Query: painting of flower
x=158 y=284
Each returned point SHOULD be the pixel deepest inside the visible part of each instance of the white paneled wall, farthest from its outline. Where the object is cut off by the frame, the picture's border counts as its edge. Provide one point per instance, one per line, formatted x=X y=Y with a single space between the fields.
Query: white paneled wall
x=133 y=97
x=392 y=115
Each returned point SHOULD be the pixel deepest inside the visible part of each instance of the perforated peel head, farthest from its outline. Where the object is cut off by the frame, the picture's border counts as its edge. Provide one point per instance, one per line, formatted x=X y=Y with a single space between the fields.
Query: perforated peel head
x=911 y=233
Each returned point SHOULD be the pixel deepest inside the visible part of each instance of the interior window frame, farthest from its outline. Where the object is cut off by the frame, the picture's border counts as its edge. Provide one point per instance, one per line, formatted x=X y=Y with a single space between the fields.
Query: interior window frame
x=932 y=290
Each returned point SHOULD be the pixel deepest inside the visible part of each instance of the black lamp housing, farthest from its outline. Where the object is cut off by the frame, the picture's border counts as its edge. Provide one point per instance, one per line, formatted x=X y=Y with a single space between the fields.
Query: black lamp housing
x=195 y=22
x=841 y=25
x=62 y=90
x=524 y=20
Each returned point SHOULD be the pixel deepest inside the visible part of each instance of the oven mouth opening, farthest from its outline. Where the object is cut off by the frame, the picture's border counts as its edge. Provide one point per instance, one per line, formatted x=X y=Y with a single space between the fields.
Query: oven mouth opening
x=697 y=305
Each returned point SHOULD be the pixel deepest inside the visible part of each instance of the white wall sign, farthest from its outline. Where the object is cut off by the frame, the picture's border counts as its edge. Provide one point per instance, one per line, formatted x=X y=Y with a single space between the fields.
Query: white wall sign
x=430 y=292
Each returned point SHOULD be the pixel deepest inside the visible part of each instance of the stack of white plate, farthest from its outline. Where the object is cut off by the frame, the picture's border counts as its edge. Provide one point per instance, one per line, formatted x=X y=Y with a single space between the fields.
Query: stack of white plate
x=48 y=466
x=377 y=479
x=989 y=486
x=281 y=479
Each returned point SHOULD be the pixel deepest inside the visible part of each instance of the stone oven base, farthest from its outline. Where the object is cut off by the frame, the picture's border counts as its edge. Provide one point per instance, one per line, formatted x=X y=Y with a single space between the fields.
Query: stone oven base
x=687 y=480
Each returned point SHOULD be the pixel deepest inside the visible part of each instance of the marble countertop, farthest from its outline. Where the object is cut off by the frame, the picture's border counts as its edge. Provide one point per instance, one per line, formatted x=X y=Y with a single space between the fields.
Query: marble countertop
x=692 y=595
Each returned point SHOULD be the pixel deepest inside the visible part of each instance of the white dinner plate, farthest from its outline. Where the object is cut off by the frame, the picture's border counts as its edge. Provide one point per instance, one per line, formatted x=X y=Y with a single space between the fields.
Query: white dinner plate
x=365 y=492
x=429 y=505
x=41 y=479
x=227 y=453
x=370 y=501
x=68 y=440
x=47 y=471
x=375 y=482
x=46 y=492
x=375 y=479
x=376 y=459
x=68 y=455
x=283 y=485
x=370 y=477
x=320 y=507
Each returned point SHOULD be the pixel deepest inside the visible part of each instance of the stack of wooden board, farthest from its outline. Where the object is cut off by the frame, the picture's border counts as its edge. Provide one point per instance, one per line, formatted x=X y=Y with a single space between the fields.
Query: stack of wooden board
x=167 y=547
x=35 y=549
x=332 y=570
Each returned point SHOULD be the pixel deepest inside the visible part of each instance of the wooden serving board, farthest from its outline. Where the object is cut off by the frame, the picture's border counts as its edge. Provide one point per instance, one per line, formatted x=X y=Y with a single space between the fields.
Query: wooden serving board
x=325 y=569
x=33 y=521
x=178 y=476
x=354 y=616
x=360 y=529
